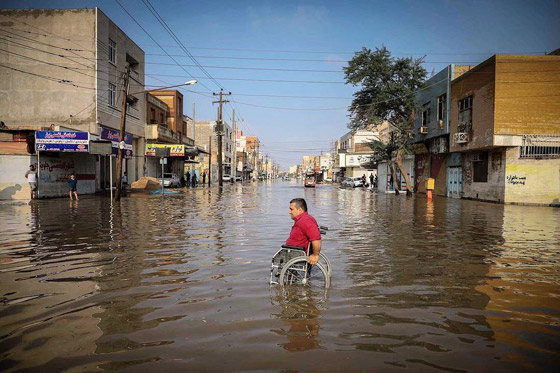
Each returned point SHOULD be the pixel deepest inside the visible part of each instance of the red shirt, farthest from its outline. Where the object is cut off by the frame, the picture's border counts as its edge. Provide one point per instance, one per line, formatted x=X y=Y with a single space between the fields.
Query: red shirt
x=305 y=229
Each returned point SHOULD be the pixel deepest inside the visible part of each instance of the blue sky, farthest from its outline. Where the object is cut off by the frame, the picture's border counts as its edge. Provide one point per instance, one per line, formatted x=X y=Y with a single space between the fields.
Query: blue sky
x=250 y=35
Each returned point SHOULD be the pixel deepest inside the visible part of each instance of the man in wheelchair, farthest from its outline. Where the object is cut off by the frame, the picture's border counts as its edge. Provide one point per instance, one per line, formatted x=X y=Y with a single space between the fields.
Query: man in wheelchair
x=304 y=231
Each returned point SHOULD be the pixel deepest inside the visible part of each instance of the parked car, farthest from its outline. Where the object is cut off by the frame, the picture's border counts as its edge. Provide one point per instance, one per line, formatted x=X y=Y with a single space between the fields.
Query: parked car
x=328 y=180
x=226 y=177
x=353 y=182
x=238 y=178
x=171 y=180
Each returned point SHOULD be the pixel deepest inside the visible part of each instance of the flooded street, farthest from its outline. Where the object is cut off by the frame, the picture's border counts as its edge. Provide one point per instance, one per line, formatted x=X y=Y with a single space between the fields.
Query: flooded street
x=181 y=283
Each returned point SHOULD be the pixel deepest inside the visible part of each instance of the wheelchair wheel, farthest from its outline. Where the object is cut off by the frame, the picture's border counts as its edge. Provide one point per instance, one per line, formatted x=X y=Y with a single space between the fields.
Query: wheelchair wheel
x=326 y=264
x=298 y=272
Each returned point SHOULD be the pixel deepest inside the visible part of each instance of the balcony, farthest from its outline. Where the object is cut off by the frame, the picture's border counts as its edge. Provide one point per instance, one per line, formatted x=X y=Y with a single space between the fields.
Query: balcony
x=160 y=132
x=461 y=137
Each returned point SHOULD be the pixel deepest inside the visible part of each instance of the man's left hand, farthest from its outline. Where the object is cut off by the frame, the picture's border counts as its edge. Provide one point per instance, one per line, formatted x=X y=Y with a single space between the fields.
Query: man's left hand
x=312 y=259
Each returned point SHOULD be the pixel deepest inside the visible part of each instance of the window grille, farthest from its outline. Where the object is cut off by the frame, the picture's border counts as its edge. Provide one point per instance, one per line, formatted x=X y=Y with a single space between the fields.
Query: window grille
x=540 y=146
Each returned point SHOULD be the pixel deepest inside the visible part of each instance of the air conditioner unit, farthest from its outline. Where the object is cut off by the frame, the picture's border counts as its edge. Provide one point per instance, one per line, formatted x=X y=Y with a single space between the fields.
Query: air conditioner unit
x=461 y=137
x=423 y=130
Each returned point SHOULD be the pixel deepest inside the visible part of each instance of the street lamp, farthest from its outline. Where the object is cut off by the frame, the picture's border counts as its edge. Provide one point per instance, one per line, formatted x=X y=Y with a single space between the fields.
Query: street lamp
x=123 y=124
x=190 y=82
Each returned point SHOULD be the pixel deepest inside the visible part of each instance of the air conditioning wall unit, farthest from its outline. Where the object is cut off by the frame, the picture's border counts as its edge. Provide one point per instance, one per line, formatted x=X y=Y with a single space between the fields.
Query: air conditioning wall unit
x=423 y=130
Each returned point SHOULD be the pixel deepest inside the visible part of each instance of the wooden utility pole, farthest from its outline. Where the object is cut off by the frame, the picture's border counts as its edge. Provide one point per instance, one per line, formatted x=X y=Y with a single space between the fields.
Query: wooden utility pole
x=210 y=162
x=220 y=132
x=121 y=136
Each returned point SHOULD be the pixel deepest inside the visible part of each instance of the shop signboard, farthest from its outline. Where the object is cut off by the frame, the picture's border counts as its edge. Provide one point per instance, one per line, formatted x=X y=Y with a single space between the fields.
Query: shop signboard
x=114 y=136
x=61 y=141
x=175 y=150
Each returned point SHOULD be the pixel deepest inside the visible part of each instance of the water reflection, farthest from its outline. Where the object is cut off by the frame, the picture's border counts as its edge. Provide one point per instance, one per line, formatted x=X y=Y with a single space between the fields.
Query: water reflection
x=300 y=314
x=154 y=282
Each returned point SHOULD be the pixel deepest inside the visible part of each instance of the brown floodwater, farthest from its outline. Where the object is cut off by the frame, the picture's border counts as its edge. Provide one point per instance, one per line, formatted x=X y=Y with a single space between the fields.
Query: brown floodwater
x=180 y=283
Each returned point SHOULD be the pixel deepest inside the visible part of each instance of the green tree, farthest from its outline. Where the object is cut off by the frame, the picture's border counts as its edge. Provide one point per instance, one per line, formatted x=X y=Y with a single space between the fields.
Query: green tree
x=386 y=93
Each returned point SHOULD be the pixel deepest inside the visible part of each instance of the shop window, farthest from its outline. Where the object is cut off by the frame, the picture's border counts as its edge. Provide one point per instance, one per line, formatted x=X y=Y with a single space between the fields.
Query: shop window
x=480 y=167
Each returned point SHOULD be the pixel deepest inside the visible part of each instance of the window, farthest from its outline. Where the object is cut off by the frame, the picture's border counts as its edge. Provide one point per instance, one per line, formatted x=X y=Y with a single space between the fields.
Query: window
x=112 y=95
x=112 y=51
x=152 y=115
x=465 y=114
x=426 y=111
x=480 y=167
x=441 y=107
x=161 y=121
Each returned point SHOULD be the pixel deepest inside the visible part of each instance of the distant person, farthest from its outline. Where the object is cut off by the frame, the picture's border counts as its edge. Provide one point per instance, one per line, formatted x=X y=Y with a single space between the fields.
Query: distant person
x=124 y=182
x=73 y=187
x=188 y=179
x=305 y=230
x=364 y=182
x=371 y=179
x=193 y=179
x=204 y=178
x=31 y=176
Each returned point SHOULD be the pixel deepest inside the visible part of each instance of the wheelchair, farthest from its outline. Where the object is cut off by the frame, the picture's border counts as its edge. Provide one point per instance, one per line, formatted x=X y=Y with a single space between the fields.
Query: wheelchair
x=290 y=267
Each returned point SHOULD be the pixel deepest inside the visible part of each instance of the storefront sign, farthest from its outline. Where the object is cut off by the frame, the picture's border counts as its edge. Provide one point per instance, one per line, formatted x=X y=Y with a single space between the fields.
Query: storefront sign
x=175 y=150
x=114 y=136
x=61 y=141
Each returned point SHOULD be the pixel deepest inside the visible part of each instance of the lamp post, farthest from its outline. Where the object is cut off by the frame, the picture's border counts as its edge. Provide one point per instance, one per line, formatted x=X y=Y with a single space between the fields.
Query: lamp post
x=123 y=124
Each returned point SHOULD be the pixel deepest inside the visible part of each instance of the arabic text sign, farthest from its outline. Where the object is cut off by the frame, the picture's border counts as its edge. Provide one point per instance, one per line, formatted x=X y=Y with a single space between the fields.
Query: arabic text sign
x=175 y=150
x=62 y=141
x=114 y=136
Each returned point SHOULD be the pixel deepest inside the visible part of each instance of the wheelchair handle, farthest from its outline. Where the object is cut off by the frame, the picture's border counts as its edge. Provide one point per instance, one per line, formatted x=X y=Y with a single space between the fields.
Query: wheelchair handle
x=323 y=228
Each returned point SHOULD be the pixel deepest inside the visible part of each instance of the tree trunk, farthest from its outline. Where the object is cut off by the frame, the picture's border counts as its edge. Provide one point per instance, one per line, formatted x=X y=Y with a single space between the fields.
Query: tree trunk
x=394 y=176
x=400 y=165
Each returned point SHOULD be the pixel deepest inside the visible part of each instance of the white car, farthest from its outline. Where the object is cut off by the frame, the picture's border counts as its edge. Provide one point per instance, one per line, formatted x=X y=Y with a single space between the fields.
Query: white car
x=171 y=180
x=226 y=177
x=238 y=178
x=353 y=182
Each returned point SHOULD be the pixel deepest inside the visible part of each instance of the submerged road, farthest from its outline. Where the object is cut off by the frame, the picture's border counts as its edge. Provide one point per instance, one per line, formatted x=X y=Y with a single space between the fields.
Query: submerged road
x=180 y=282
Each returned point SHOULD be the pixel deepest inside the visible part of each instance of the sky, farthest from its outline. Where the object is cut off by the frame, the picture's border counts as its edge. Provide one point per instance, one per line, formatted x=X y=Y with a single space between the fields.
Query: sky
x=282 y=60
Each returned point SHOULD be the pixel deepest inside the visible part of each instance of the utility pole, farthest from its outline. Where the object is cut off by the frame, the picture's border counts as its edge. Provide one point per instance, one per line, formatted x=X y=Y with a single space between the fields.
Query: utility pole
x=220 y=133
x=121 y=136
x=234 y=151
x=210 y=162
x=194 y=133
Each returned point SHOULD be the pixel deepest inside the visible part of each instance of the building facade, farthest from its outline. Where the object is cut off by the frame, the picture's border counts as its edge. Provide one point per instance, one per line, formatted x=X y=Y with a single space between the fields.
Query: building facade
x=69 y=91
x=505 y=120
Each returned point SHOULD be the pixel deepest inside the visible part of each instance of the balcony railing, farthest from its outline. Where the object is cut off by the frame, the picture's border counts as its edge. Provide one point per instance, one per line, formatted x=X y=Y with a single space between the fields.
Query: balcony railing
x=461 y=137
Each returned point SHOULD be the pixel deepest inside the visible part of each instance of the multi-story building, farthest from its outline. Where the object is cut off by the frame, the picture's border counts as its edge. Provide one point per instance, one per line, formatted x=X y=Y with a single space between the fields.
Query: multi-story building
x=431 y=129
x=355 y=155
x=505 y=120
x=69 y=78
x=206 y=136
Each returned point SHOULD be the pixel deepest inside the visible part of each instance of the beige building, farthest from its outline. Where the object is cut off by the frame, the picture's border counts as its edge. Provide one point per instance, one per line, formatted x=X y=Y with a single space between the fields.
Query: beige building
x=206 y=137
x=69 y=77
x=505 y=119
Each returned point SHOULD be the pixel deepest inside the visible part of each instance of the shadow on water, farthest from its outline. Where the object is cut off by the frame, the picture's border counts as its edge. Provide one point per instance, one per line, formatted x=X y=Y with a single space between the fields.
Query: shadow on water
x=173 y=282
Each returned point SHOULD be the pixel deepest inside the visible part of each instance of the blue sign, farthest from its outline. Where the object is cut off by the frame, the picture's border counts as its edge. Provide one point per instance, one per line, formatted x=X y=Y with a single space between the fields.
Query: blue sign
x=114 y=136
x=61 y=141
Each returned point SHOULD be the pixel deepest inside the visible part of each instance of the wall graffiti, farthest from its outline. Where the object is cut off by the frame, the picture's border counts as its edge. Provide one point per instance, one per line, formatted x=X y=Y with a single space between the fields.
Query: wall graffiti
x=516 y=180
x=55 y=171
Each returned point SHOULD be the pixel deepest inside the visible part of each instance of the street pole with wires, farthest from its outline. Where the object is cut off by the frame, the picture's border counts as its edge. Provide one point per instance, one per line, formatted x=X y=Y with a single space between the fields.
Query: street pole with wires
x=220 y=132
x=121 y=135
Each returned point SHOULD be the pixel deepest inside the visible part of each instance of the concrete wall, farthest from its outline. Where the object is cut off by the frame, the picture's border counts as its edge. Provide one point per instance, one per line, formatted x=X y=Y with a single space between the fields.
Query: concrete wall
x=493 y=189
x=31 y=100
x=13 y=184
x=531 y=181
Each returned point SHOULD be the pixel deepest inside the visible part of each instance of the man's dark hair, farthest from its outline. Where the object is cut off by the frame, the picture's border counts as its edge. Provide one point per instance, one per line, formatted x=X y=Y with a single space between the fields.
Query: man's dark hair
x=300 y=203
